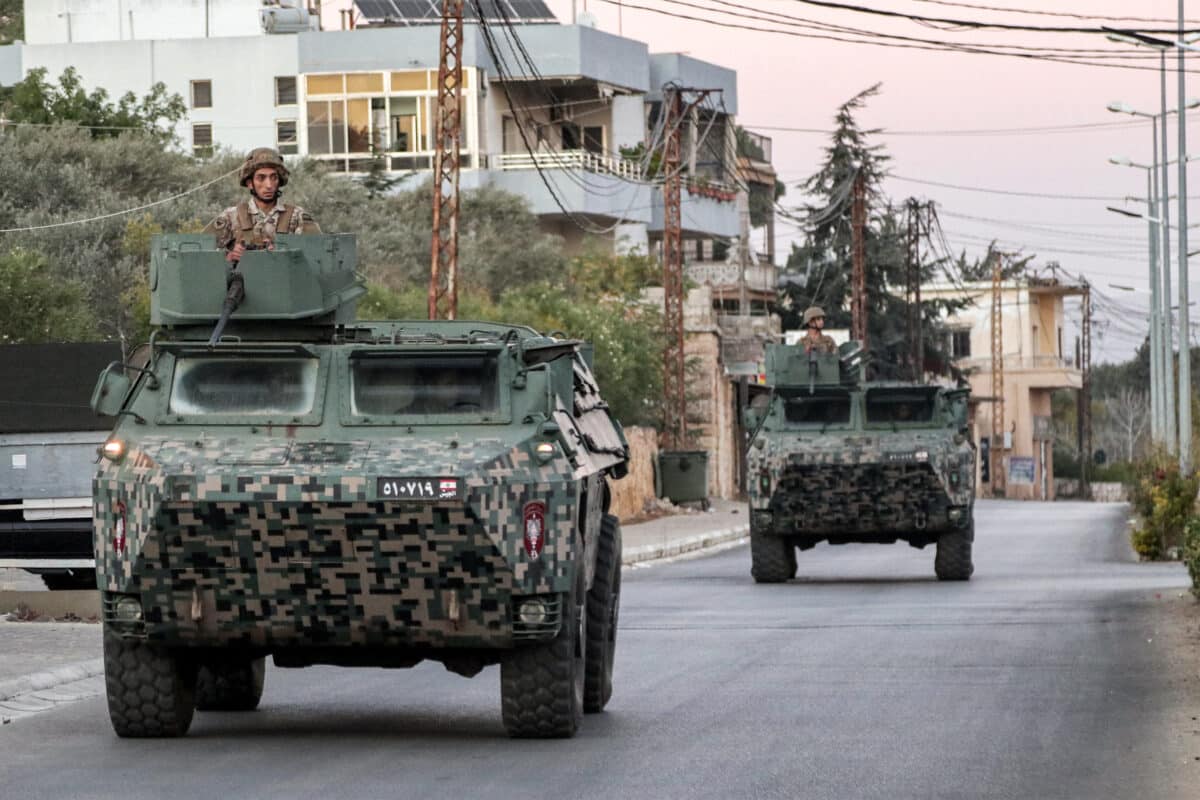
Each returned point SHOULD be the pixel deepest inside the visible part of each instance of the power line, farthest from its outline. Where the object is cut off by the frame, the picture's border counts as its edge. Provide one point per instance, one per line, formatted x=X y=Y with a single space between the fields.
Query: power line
x=1069 y=15
x=1080 y=127
x=1009 y=192
x=164 y=201
x=967 y=23
x=879 y=39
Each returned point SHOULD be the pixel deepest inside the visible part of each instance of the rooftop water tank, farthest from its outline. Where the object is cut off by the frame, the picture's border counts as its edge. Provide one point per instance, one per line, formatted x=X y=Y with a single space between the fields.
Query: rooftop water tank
x=286 y=18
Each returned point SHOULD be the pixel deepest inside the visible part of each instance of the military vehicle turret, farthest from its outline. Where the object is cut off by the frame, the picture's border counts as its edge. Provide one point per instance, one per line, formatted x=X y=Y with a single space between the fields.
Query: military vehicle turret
x=284 y=480
x=835 y=458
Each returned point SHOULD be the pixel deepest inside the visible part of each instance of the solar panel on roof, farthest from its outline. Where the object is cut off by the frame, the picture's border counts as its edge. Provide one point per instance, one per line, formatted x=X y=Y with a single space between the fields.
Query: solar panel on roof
x=428 y=11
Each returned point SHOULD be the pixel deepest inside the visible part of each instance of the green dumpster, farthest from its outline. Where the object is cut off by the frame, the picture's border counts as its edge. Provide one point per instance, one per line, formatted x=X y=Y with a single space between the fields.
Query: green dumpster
x=682 y=476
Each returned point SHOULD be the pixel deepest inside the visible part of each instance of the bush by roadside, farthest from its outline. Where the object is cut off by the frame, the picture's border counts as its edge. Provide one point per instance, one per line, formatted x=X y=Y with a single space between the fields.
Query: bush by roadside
x=1165 y=502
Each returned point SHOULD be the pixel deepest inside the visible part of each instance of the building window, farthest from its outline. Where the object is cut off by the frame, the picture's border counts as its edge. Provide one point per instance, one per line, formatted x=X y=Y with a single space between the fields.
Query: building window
x=285 y=90
x=201 y=94
x=202 y=140
x=593 y=139
x=960 y=344
x=285 y=137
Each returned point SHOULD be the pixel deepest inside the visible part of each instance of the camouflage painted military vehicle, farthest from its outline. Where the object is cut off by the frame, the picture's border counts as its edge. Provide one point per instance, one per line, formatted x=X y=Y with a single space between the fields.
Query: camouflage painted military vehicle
x=834 y=458
x=328 y=491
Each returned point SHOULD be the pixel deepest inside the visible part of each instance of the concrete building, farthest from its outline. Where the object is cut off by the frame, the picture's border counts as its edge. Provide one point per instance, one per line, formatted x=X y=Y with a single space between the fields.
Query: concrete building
x=254 y=75
x=1037 y=361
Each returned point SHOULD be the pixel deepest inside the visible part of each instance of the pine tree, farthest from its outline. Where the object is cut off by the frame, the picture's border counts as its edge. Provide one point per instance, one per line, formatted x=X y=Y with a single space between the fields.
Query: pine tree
x=818 y=271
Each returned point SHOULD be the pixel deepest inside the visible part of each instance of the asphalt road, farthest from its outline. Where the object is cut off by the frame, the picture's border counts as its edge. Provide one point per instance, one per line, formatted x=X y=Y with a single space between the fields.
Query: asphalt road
x=864 y=678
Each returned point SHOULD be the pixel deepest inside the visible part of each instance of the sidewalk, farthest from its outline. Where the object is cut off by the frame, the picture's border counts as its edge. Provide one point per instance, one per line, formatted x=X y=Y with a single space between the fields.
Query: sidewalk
x=45 y=663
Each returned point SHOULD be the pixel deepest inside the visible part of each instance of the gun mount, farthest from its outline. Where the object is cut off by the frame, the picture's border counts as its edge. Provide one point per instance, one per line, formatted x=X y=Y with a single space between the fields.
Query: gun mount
x=306 y=285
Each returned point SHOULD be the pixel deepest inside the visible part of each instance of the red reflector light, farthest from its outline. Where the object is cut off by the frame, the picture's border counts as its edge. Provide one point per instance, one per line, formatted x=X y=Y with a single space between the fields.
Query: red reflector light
x=119 y=527
x=535 y=529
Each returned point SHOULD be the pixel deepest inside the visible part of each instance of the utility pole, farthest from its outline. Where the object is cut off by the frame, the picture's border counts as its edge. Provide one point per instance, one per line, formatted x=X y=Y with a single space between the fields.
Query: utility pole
x=1185 y=339
x=674 y=403
x=1085 y=397
x=443 y=301
x=858 y=283
x=997 y=449
x=912 y=293
x=1165 y=334
x=674 y=396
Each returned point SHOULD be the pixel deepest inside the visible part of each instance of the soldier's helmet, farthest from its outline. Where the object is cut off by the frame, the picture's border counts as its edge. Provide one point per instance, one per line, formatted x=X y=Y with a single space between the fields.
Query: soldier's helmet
x=263 y=157
x=811 y=313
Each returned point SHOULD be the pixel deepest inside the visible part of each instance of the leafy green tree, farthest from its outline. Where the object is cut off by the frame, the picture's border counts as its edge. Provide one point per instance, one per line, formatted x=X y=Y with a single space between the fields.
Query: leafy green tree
x=35 y=100
x=818 y=270
x=598 y=302
x=12 y=21
x=35 y=306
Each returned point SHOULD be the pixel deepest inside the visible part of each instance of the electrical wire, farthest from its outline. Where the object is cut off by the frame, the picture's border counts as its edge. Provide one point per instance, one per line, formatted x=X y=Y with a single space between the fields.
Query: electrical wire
x=1069 y=15
x=967 y=23
x=878 y=39
x=101 y=217
x=1082 y=127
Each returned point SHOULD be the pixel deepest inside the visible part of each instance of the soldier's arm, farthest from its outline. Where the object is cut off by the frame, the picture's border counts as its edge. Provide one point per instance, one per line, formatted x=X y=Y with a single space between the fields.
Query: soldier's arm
x=221 y=228
x=307 y=224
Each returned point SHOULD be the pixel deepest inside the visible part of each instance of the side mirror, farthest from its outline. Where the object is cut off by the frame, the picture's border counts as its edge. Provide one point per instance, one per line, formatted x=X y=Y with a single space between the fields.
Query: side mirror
x=108 y=398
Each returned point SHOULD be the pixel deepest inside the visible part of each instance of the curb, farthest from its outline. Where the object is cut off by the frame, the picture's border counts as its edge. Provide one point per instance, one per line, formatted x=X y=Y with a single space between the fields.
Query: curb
x=676 y=547
x=39 y=681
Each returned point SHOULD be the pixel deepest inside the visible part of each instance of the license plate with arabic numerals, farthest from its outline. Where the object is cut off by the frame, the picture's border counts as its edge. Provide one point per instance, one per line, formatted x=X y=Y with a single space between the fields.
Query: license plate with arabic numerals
x=419 y=489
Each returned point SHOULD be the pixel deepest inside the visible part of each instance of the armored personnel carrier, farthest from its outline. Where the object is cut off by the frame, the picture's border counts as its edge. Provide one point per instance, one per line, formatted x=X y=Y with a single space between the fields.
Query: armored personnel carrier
x=286 y=481
x=835 y=458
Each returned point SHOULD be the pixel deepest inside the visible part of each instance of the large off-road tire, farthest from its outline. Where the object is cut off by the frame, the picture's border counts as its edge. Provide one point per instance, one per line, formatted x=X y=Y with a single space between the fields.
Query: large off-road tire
x=772 y=558
x=230 y=685
x=151 y=691
x=603 y=608
x=541 y=686
x=953 y=559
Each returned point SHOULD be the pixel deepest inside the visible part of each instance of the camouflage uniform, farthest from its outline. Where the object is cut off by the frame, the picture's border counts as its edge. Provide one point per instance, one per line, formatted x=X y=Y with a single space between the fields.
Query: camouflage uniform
x=822 y=344
x=246 y=222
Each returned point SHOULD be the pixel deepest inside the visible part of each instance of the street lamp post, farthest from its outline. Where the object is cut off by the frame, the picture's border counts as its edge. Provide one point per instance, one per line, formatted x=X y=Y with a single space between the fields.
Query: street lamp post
x=1185 y=356
x=1157 y=381
x=1165 y=336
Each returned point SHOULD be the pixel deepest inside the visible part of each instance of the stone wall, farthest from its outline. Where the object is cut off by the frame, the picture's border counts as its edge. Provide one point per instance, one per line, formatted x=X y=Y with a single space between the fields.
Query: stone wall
x=631 y=494
x=1102 y=492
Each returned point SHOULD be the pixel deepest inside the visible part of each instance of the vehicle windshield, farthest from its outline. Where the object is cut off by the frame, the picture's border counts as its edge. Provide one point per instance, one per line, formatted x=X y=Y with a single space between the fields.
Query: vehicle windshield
x=900 y=407
x=424 y=384
x=242 y=386
x=818 y=409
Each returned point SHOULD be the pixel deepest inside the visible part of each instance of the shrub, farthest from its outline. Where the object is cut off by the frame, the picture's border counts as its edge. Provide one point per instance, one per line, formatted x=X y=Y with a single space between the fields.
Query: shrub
x=1191 y=552
x=1165 y=502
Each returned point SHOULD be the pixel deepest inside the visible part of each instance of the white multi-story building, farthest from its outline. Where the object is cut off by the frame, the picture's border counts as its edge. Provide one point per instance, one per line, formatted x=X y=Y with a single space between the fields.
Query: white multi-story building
x=255 y=74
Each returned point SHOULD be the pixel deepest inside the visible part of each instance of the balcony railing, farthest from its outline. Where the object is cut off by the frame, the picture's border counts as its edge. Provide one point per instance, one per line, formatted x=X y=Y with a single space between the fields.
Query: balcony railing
x=568 y=159
x=1023 y=362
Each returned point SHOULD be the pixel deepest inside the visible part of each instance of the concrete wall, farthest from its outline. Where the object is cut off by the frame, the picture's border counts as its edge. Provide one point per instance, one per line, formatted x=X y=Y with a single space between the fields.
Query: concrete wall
x=692 y=73
x=243 y=114
x=47 y=21
x=631 y=494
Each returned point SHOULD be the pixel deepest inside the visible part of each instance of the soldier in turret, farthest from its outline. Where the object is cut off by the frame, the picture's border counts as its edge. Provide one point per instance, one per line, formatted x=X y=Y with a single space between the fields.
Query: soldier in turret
x=814 y=340
x=254 y=222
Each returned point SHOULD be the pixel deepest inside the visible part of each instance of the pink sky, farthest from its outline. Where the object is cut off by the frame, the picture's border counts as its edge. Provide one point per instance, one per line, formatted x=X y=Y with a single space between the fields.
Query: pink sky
x=785 y=81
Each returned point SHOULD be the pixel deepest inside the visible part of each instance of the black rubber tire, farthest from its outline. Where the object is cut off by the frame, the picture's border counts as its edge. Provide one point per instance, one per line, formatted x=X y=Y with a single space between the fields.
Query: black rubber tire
x=772 y=558
x=953 y=559
x=151 y=692
x=66 y=581
x=230 y=685
x=603 y=609
x=541 y=686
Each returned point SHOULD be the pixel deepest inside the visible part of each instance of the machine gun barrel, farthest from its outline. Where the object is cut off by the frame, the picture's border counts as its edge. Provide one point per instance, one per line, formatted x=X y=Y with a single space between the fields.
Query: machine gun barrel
x=235 y=293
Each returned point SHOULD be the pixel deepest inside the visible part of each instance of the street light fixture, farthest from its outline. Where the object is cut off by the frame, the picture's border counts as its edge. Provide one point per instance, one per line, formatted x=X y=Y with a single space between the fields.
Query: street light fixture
x=1181 y=46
